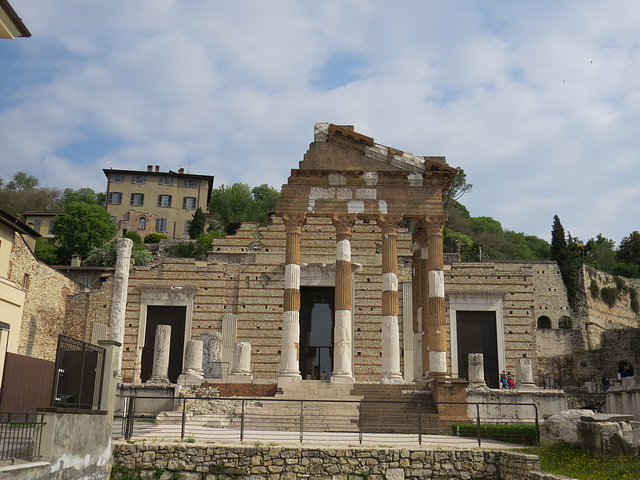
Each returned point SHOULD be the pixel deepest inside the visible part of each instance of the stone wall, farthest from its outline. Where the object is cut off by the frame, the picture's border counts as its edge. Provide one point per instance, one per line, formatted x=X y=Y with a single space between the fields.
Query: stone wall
x=45 y=302
x=244 y=276
x=287 y=463
x=596 y=316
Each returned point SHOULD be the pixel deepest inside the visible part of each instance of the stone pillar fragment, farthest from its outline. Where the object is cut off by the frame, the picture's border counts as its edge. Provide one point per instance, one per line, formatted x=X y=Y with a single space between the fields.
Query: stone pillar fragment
x=343 y=331
x=241 y=372
x=192 y=373
x=390 y=309
x=119 y=297
x=524 y=375
x=290 y=355
x=160 y=371
x=476 y=371
x=437 y=320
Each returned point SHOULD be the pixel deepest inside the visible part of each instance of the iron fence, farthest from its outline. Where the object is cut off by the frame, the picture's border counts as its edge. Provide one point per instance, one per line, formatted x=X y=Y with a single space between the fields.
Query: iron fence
x=20 y=435
x=78 y=374
x=264 y=419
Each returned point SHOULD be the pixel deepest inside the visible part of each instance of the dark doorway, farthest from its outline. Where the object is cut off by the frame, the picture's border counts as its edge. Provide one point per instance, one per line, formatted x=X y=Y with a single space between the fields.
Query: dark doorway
x=477 y=334
x=316 y=331
x=174 y=317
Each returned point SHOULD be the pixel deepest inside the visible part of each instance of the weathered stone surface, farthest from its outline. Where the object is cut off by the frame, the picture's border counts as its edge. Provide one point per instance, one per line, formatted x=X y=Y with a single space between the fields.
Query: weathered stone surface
x=562 y=427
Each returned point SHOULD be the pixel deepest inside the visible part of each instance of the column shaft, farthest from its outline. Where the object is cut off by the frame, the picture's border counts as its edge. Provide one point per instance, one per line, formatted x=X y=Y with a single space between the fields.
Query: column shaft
x=290 y=355
x=342 y=337
x=437 y=329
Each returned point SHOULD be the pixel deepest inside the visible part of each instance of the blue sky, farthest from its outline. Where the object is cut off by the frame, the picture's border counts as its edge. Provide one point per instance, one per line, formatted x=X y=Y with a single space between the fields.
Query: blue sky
x=538 y=102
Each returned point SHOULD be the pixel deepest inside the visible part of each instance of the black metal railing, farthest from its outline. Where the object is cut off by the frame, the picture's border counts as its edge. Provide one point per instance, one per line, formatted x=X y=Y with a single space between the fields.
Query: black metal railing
x=259 y=419
x=20 y=435
x=78 y=374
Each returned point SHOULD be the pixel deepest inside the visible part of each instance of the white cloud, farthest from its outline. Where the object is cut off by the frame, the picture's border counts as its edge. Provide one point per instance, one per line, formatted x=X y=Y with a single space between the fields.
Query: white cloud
x=537 y=102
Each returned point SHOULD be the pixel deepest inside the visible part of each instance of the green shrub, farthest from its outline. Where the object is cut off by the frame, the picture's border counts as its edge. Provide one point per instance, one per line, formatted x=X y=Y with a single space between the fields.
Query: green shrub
x=521 y=434
x=620 y=284
x=134 y=236
x=595 y=290
x=633 y=295
x=154 y=237
x=610 y=296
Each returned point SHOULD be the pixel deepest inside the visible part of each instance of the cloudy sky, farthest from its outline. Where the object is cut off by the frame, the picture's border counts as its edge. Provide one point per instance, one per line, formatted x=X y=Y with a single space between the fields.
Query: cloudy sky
x=538 y=102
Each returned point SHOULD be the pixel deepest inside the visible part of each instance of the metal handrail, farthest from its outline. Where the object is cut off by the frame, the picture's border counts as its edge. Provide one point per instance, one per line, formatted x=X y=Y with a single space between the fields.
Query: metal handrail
x=420 y=408
x=20 y=435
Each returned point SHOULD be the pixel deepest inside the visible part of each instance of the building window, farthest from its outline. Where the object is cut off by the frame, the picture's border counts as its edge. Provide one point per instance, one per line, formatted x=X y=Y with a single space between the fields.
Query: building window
x=86 y=281
x=142 y=225
x=166 y=180
x=191 y=182
x=161 y=225
x=114 y=219
x=117 y=177
x=51 y=222
x=544 y=322
x=164 y=200
x=138 y=179
x=115 y=198
x=37 y=224
x=137 y=199
x=186 y=227
x=25 y=281
x=189 y=203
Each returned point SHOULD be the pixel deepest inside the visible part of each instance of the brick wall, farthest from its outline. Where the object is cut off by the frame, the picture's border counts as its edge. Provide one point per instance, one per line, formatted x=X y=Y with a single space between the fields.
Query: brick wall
x=44 y=309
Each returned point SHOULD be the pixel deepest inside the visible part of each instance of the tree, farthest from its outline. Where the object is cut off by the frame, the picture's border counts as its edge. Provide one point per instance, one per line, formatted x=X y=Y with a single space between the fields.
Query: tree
x=600 y=253
x=21 y=181
x=265 y=199
x=196 y=225
x=629 y=250
x=458 y=188
x=83 y=228
x=232 y=205
x=561 y=254
x=83 y=195
x=46 y=252
x=107 y=255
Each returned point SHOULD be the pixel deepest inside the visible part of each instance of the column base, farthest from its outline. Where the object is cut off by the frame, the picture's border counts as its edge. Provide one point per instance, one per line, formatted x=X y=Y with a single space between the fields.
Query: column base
x=337 y=378
x=288 y=378
x=527 y=387
x=391 y=378
x=240 y=378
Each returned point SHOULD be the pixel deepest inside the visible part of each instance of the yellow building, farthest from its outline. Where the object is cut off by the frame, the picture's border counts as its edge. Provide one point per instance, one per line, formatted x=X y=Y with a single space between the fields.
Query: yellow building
x=11 y=25
x=41 y=222
x=154 y=201
x=12 y=291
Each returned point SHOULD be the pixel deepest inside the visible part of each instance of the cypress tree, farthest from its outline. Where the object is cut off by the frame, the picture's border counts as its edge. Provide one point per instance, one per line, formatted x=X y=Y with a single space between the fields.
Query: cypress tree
x=561 y=254
x=196 y=225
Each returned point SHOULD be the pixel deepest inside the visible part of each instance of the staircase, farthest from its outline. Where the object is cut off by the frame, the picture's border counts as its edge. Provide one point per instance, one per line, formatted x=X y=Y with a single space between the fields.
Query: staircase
x=314 y=398
x=380 y=413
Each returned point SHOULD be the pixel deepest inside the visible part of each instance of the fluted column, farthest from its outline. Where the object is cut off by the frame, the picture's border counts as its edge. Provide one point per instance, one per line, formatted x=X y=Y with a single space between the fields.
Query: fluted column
x=342 y=336
x=119 y=296
x=390 y=332
x=290 y=355
x=437 y=326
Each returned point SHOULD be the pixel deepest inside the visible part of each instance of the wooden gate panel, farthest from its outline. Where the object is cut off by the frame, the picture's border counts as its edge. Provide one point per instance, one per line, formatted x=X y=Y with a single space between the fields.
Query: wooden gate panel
x=26 y=384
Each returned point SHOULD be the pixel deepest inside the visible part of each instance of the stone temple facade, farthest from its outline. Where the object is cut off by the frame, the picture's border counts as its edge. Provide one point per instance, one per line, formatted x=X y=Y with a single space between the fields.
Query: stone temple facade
x=349 y=283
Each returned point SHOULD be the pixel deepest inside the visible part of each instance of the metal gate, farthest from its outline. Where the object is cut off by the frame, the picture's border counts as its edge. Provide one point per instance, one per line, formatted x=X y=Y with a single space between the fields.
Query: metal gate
x=78 y=374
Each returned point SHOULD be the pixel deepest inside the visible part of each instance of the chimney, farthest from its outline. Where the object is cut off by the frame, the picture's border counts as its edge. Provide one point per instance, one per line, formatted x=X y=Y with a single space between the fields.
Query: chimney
x=76 y=260
x=181 y=170
x=157 y=168
x=149 y=168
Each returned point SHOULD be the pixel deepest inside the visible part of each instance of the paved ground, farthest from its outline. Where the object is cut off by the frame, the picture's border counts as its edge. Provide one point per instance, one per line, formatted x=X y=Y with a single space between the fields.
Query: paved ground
x=198 y=432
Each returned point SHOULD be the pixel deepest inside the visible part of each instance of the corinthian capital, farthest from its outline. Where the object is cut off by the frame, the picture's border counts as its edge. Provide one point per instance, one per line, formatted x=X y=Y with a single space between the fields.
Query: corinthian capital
x=293 y=222
x=343 y=223
x=435 y=224
x=389 y=224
